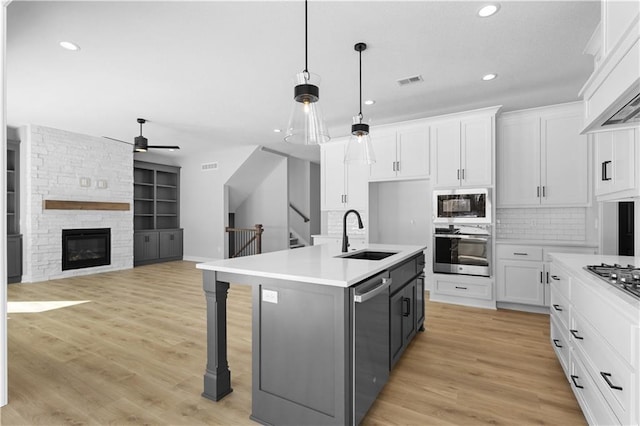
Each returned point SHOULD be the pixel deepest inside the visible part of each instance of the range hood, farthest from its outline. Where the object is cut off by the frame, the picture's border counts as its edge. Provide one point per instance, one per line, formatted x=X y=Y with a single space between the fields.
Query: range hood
x=629 y=114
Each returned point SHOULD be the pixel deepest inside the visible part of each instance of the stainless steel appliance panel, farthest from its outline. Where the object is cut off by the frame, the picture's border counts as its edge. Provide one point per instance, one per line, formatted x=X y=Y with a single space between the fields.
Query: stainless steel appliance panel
x=455 y=252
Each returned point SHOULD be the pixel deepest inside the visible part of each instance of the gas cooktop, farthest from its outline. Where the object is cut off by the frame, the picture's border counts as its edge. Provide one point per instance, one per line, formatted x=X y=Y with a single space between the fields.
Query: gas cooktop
x=626 y=278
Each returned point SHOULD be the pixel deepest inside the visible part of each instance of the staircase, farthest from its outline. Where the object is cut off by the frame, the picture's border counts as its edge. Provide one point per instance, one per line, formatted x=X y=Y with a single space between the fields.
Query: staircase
x=294 y=242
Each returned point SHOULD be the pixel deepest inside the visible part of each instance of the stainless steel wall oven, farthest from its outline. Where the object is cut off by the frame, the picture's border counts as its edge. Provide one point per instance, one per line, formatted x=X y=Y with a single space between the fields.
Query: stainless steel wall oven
x=462 y=250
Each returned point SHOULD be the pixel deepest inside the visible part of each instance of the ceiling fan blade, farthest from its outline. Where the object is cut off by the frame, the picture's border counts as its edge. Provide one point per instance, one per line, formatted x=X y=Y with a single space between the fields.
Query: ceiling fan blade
x=117 y=140
x=163 y=146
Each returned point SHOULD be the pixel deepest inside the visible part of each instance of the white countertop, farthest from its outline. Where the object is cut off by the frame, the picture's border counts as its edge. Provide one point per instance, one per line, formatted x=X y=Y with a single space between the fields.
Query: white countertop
x=575 y=264
x=314 y=264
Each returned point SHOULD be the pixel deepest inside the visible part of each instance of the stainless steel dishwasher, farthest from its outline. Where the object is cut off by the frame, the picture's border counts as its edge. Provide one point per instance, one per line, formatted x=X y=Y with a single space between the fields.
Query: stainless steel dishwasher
x=370 y=339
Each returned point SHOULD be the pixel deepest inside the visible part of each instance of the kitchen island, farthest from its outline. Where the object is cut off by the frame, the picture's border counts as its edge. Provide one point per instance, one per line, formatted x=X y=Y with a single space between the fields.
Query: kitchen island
x=326 y=329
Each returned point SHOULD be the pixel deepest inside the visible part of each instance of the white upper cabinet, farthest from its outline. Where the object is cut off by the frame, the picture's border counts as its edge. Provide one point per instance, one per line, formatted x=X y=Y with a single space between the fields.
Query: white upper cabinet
x=463 y=150
x=542 y=158
x=343 y=186
x=402 y=152
x=616 y=156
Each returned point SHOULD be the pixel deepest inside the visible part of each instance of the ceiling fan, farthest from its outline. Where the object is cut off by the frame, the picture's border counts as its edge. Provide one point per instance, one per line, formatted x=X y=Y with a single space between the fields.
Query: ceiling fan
x=140 y=143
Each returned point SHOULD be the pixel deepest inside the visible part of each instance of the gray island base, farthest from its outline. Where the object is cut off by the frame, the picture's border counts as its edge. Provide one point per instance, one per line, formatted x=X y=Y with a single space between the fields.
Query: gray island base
x=326 y=330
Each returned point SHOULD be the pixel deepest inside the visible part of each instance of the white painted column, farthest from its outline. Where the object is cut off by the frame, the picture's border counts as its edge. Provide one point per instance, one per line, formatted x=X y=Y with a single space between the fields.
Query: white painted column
x=3 y=205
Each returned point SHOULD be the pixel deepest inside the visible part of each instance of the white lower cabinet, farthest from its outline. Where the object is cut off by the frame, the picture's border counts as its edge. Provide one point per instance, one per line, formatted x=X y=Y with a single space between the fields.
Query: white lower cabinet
x=463 y=290
x=596 y=335
x=522 y=273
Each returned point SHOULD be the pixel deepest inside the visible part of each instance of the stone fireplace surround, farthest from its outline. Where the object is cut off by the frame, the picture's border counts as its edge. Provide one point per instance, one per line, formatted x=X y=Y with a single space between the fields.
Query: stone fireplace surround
x=61 y=165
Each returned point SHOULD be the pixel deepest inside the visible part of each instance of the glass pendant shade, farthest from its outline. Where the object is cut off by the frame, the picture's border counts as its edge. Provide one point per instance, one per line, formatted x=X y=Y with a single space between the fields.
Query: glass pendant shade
x=359 y=149
x=306 y=125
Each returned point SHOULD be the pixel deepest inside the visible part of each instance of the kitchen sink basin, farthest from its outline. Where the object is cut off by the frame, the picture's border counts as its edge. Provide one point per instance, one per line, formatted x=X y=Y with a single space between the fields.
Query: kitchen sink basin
x=368 y=255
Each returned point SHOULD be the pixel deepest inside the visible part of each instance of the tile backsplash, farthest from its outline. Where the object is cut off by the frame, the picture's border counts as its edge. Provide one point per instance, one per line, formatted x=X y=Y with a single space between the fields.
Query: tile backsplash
x=334 y=223
x=566 y=224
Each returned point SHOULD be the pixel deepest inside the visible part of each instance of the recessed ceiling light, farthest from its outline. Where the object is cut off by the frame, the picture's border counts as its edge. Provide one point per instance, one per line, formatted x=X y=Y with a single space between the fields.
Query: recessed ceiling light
x=488 y=10
x=369 y=102
x=277 y=130
x=489 y=77
x=69 y=46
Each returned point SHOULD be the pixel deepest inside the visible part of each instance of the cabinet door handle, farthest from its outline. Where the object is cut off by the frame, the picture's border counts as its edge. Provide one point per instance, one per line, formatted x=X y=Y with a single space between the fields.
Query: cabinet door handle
x=393 y=166
x=171 y=237
x=516 y=253
x=461 y=288
x=538 y=191
x=555 y=277
x=462 y=174
x=541 y=282
x=606 y=376
x=406 y=308
x=604 y=170
x=557 y=308
x=575 y=334
x=556 y=342
x=458 y=174
x=544 y=191
x=397 y=166
x=547 y=281
x=346 y=198
x=573 y=379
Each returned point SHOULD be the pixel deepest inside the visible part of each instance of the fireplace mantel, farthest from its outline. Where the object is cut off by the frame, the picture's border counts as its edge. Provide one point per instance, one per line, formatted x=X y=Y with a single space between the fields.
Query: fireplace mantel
x=84 y=205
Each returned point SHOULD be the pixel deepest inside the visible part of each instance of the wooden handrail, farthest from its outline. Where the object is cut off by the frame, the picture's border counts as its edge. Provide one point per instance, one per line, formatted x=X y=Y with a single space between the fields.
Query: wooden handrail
x=250 y=238
x=295 y=209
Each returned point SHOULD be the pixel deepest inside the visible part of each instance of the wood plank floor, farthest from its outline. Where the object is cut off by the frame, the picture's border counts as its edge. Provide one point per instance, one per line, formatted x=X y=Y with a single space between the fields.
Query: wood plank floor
x=135 y=354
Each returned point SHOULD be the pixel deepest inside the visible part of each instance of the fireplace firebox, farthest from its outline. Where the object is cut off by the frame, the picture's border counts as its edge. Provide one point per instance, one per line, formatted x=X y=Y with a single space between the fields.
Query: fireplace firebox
x=85 y=248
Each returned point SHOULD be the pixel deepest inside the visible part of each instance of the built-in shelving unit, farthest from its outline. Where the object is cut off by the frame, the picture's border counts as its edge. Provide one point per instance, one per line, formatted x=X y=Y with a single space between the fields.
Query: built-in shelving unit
x=14 y=239
x=156 y=213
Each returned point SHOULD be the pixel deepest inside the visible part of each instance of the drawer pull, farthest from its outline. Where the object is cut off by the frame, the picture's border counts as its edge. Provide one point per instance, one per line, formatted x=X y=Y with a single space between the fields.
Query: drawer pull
x=461 y=288
x=575 y=334
x=557 y=308
x=556 y=342
x=606 y=376
x=555 y=277
x=573 y=379
x=520 y=254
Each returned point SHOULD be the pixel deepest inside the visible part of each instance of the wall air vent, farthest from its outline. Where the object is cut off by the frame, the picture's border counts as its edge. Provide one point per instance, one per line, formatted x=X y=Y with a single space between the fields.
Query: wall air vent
x=207 y=167
x=410 y=80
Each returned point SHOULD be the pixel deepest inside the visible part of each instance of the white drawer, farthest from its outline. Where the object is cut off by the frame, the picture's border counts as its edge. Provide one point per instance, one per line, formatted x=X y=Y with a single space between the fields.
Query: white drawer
x=595 y=408
x=614 y=327
x=614 y=378
x=519 y=252
x=560 y=308
x=464 y=289
x=560 y=280
x=560 y=344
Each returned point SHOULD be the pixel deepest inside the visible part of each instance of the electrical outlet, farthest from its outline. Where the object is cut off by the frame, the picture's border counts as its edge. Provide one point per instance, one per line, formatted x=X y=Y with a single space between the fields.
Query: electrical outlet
x=270 y=296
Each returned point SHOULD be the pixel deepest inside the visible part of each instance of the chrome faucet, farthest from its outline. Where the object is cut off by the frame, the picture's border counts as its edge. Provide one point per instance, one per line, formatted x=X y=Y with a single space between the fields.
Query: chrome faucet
x=345 y=239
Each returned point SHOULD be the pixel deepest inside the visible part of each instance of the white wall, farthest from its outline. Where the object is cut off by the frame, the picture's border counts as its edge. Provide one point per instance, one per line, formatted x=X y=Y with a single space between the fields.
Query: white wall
x=400 y=212
x=299 y=196
x=268 y=205
x=202 y=201
x=3 y=204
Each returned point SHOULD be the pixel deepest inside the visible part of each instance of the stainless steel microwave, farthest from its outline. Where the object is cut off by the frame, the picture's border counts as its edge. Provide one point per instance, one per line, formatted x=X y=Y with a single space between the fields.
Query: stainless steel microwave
x=462 y=205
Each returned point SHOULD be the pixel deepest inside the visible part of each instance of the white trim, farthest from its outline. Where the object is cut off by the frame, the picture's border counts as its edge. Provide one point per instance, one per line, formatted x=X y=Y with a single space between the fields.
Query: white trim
x=3 y=207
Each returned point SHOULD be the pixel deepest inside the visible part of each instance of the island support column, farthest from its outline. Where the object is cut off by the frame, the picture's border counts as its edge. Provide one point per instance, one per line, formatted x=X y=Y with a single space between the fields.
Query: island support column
x=217 y=378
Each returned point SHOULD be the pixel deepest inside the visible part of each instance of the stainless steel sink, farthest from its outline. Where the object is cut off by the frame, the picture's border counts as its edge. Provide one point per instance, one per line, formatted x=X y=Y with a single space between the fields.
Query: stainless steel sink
x=369 y=255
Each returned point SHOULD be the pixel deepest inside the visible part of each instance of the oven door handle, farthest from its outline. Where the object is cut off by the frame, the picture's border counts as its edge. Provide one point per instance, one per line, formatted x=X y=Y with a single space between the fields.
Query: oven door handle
x=463 y=237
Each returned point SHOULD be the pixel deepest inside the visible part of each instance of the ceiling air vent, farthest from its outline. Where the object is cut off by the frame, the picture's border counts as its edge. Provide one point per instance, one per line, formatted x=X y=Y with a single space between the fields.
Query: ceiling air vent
x=410 y=80
x=207 y=167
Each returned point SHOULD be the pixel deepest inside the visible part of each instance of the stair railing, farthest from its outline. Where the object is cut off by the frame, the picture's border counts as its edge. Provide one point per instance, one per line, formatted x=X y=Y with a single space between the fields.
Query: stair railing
x=246 y=241
x=295 y=209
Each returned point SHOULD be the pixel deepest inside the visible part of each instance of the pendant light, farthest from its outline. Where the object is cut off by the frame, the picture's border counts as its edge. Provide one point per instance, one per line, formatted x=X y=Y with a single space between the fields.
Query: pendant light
x=359 y=149
x=306 y=125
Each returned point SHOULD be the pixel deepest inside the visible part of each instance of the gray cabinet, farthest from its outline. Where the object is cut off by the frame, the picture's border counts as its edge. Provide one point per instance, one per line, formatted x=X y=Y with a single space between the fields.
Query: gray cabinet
x=14 y=239
x=406 y=306
x=170 y=244
x=14 y=258
x=156 y=213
